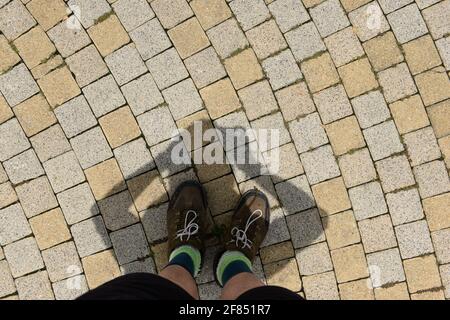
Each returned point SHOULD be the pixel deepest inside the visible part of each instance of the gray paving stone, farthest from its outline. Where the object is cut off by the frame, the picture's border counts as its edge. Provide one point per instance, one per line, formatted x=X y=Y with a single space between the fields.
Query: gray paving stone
x=88 y=12
x=61 y=261
x=103 y=96
x=333 y=104
x=154 y=222
x=3 y=2
x=237 y=121
x=422 y=146
x=3 y=176
x=250 y=13
x=146 y=266
x=395 y=173
x=437 y=18
x=64 y=171
x=445 y=275
x=90 y=236
x=432 y=178
x=7 y=286
x=142 y=94
x=150 y=39
x=205 y=67
x=167 y=68
x=441 y=239
x=370 y=109
x=287 y=162
x=377 y=233
x=23 y=257
x=227 y=38
x=7 y=196
x=443 y=46
x=23 y=167
x=273 y=122
x=305 y=228
x=388 y=5
x=246 y=161
x=17 y=85
x=383 y=140
x=404 y=206
x=288 y=13
x=172 y=182
x=258 y=99
x=414 y=239
x=50 y=143
x=207 y=273
x=282 y=70
x=77 y=203
x=171 y=12
x=321 y=287
x=75 y=116
x=295 y=195
x=134 y=158
x=2 y=256
x=344 y=46
x=14 y=224
x=12 y=139
x=162 y=154
x=320 y=164
x=183 y=99
x=357 y=168
x=407 y=23
x=70 y=289
x=35 y=286
x=314 y=259
x=397 y=83
x=130 y=244
x=329 y=17
x=209 y=291
x=133 y=13
x=118 y=211
x=367 y=200
x=91 y=147
x=87 y=65
x=385 y=267
x=125 y=64
x=365 y=26
x=36 y=196
x=157 y=125
x=305 y=41
x=68 y=40
x=308 y=133
x=15 y=20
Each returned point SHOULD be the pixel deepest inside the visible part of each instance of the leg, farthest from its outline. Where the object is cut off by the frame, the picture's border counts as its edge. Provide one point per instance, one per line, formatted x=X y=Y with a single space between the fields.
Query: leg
x=181 y=277
x=239 y=284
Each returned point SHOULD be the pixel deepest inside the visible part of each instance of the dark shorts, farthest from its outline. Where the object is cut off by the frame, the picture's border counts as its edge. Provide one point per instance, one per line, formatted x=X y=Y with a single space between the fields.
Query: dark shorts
x=146 y=286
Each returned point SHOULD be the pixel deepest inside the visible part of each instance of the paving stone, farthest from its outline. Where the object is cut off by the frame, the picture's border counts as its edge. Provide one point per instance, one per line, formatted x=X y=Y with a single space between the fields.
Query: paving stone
x=345 y=135
x=133 y=13
x=17 y=85
x=87 y=65
x=357 y=168
x=383 y=140
x=7 y=282
x=432 y=178
x=404 y=206
x=409 y=114
x=210 y=13
x=147 y=190
x=118 y=211
x=305 y=228
x=266 y=39
x=9 y=56
x=183 y=99
x=308 y=133
x=188 y=38
x=171 y=12
x=71 y=288
x=385 y=267
x=349 y=263
x=295 y=101
x=314 y=259
x=258 y=100
x=443 y=46
x=358 y=77
x=134 y=158
x=157 y=125
x=356 y=290
x=295 y=195
x=142 y=94
x=273 y=122
x=305 y=41
x=3 y=176
x=91 y=147
x=320 y=164
x=421 y=54
x=277 y=252
x=439 y=121
x=243 y=69
x=344 y=46
x=414 y=239
x=105 y=179
x=445 y=275
x=220 y=98
x=14 y=224
x=7 y=196
x=383 y=51
x=377 y=233
x=288 y=13
x=150 y=39
x=104 y=96
x=249 y=13
x=244 y=169
x=61 y=261
x=34 y=47
x=68 y=40
x=23 y=257
x=321 y=287
x=89 y=12
x=389 y=6
x=145 y=266
x=209 y=291
x=23 y=167
x=119 y=126
x=286 y=160
x=154 y=222
x=75 y=116
x=395 y=173
x=64 y=171
x=205 y=67
x=241 y=134
x=59 y=86
x=35 y=286
x=130 y=244
x=367 y=201
x=329 y=17
x=282 y=70
x=398 y=291
x=15 y=20
x=125 y=64
x=368 y=21
x=12 y=139
x=100 y=268
x=428 y=295
x=339 y=201
x=47 y=13
x=341 y=230
x=283 y=273
x=370 y=109
x=416 y=268
x=320 y=73
x=227 y=38
x=50 y=143
x=422 y=146
x=90 y=236
x=219 y=200
x=207 y=172
x=78 y=203
x=437 y=19
x=434 y=85
x=172 y=182
x=441 y=239
x=167 y=68
x=5 y=111
x=425 y=3
x=407 y=23
x=36 y=196
x=436 y=211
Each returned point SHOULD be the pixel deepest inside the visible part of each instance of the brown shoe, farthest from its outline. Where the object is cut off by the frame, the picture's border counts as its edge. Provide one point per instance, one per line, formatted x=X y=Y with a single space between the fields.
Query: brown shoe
x=188 y=220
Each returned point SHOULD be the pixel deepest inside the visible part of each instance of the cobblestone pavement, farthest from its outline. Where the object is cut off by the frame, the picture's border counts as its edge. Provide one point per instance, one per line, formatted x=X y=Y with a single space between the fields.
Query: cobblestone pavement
x=359 y=90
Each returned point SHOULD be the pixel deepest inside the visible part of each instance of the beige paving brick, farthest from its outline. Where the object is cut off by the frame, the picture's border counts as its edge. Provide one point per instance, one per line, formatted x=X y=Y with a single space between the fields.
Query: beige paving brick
x=243 y=68
x=398 y=291
x=429 y=295
x=34 y=47
x=5 y=111
x=220 y=98
x=350 y=5
x=9 y=57
x=416 y=268
x=7 y=194
x=283 y=273
x=59 y=86
x=437 y=211
x=295 y=101
x=358 y=77
x=434 y=85
x=48 y=12
x=383 y=51
x=311 y=3
x=34 y=115
x=377 y=233
x=160 y=255
x=105 y=179
x=108 y=35
x=341 y=230
x=321 y=287
x=266 y=39
x=357 y=290
x=119 y=126
x=100 y=268
x=277 y=252
x=49 y=65
x=50 y=228
x=349 y=263
x=345 y=135
x=147 y=190
x=199 y=119
x=320 y=72
x=327 y=204
x=397 y=83
x=188 y=38
x=421 y=54
x=210 y=12
x=439 y=119
x=444 y=144
x=409 y=114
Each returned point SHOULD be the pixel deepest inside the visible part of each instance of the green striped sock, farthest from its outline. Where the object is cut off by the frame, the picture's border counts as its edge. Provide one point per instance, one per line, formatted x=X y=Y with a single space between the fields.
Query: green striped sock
x=230 y=264
x=187 y=257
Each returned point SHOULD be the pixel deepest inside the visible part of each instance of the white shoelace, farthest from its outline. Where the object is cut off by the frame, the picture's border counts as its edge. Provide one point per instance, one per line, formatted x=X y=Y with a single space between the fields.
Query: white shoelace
x=241 y=234
x=190 y=228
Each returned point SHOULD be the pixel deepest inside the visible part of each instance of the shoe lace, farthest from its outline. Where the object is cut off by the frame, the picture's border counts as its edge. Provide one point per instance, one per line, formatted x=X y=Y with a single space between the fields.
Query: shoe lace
x=190 y=227
x=240 y=235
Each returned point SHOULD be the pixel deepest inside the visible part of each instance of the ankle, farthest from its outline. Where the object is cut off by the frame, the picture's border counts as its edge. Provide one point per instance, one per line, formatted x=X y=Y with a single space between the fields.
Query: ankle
x=230 y=264
x=187 y=257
